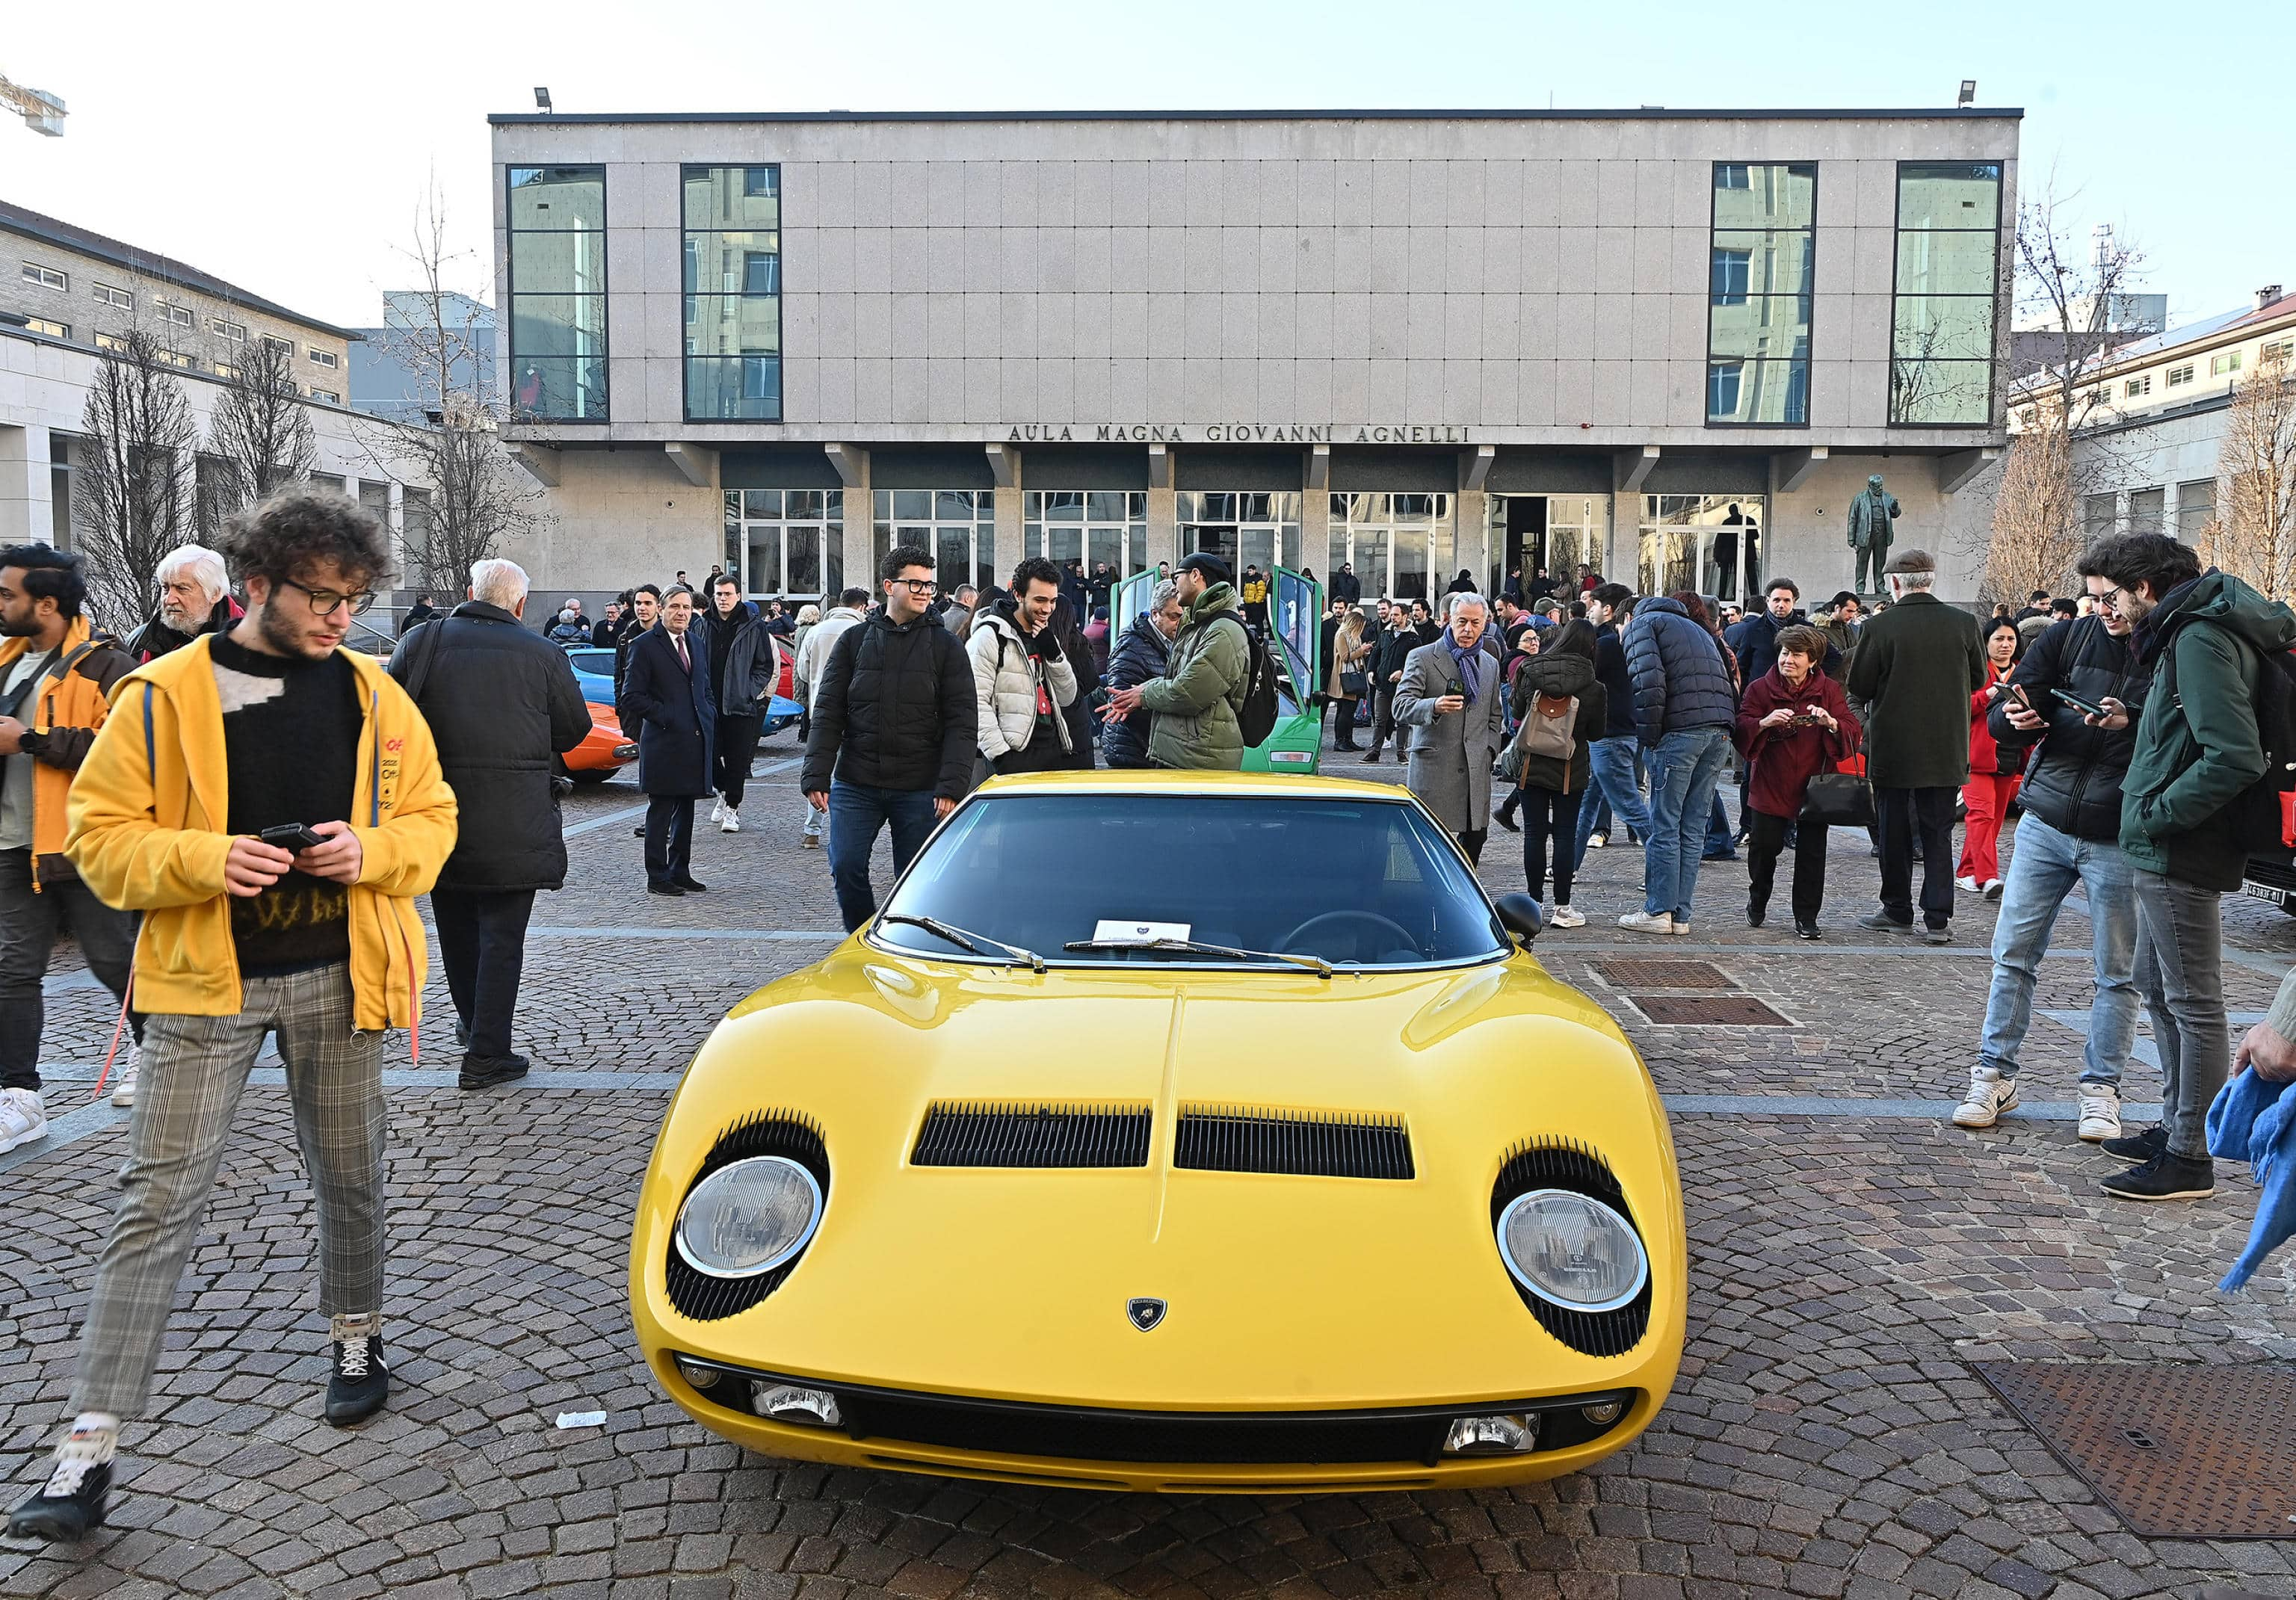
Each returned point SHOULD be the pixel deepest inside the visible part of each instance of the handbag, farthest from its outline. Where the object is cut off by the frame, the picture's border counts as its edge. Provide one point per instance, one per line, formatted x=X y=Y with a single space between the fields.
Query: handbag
x=1353 y=684
x=1838 y=800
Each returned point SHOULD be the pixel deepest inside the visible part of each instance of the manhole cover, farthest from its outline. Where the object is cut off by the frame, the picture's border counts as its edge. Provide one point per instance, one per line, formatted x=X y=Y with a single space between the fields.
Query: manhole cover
x=2177 y=1450
x=1626 y=974
x=1698 y=1011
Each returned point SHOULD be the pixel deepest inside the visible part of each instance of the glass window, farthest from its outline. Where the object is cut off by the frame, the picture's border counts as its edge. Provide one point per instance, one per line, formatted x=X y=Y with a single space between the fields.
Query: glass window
x=2196 y=509
x=2147 y=510
x=558 y=292
x=327 y=395
x=231 y=333
x=2228 y=362
x=285 y=347
x=2099 y=514
x=1243 y=530
x=2179 y=376
x=1708 y=543
x=1388 y=540
x=1101 y=527
x=322 y=357
x=957 y=528
x=786 y=544
x=1947 y=274
x=1758 y=293
x=733 y=280
x=46 y=278
x=53 y=330
x=2137 y=386
x=105 y=294
x=1406 y=900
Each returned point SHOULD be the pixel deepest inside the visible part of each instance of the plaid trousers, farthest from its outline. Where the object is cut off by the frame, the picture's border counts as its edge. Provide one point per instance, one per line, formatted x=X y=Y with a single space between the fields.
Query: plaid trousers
x=193 y=1070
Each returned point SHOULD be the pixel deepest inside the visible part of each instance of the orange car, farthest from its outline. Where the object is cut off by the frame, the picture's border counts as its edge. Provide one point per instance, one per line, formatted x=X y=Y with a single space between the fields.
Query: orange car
x=604 y=752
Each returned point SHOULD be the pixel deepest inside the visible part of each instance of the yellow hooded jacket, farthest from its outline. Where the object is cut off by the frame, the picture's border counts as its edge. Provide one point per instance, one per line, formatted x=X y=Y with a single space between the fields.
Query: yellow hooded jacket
x=147 y=819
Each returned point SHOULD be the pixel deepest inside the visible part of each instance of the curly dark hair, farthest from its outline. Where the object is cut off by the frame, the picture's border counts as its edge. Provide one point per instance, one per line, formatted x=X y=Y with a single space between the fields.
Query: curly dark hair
x=1036 y=569
x=50 y=574
x=296 y=527
x=900 y=559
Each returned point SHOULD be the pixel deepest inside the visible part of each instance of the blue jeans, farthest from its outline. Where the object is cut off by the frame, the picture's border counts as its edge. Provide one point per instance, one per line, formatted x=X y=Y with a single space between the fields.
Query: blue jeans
x=1612 y=765
x=2042 y=872
x=1686 y=767
x=857 y=811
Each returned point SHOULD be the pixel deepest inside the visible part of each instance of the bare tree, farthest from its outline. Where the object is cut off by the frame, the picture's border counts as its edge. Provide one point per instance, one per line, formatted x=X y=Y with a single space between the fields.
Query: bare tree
x=2254 y=534
x=132 y=478
x=261 y=428
x=2056 y=457
x=466 y=498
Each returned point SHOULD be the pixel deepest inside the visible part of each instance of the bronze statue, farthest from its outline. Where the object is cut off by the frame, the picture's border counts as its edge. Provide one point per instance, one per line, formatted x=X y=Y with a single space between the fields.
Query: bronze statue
x=1872 y=518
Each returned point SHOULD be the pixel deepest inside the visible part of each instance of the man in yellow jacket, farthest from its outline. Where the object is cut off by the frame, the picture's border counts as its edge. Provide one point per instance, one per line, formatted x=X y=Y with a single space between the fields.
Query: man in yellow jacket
x=272 y=804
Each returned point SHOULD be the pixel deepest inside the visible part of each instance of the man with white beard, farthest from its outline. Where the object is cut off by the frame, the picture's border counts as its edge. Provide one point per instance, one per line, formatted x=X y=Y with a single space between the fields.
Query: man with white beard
x=194 y=599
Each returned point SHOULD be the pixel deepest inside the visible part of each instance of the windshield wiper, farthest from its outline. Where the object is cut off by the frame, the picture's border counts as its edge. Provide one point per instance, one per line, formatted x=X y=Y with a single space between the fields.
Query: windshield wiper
x=1196 y=946
x=965 y=940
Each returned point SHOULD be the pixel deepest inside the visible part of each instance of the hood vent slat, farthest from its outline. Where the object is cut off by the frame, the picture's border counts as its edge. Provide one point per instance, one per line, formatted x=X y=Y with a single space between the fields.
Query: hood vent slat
x=1032 y=1134
x=1239 y=1138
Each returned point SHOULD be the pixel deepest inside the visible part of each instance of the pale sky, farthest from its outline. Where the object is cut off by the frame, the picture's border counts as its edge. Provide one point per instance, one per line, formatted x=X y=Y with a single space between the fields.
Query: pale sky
x=285 y=147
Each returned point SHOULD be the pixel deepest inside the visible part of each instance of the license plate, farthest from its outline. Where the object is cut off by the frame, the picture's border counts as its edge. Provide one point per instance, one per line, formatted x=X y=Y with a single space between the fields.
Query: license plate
x=2266 y=892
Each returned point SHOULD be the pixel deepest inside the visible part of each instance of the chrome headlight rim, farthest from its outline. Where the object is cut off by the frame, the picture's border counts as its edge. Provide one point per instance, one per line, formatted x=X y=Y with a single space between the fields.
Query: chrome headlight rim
x=782 y=1258
x=1531 y=1286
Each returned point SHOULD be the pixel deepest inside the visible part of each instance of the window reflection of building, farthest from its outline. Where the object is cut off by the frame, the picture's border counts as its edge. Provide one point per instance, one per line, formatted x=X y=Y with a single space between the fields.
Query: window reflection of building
x=1760 y=274
x=557 y=229
x=957 y=526
x=1390 y=539
x=1097 y=526
x=1948 y=272
x=732 y=285
x=1710 y=544
x=1561 y=532
x=786 y=542
x=1242 y=529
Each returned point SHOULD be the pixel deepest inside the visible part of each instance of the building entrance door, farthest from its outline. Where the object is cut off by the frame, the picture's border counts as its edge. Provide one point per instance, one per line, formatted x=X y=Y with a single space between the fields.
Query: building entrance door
x=1215 y=538
x=1524 y=546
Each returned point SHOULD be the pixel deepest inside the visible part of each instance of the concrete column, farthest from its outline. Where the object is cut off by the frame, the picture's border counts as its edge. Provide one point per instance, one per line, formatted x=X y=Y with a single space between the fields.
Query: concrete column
x=860 y=551
x=1622 y=547
x=1009 y=530
x=26 y=509
x=1163 y=525
x=1315 y=532
x=1473 y=539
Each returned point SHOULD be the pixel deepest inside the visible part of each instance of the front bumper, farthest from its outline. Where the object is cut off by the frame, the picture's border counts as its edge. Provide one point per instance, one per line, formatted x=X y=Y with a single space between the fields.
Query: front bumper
x=1158 y=1451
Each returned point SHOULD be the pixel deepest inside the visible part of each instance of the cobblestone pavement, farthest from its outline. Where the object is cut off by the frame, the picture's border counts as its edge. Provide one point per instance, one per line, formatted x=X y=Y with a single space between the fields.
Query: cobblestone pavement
x=1825 y=1437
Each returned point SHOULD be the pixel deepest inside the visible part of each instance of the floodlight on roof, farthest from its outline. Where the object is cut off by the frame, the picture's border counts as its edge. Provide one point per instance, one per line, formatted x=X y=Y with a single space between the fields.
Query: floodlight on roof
x=1968 y=93
x=542 y=100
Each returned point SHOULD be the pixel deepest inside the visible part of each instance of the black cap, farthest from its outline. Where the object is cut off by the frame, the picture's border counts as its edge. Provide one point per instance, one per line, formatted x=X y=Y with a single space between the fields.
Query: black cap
x=1215 y=570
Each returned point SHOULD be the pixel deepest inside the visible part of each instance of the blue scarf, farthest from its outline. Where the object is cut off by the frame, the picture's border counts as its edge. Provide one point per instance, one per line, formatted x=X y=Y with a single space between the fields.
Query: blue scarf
x=1466 y=661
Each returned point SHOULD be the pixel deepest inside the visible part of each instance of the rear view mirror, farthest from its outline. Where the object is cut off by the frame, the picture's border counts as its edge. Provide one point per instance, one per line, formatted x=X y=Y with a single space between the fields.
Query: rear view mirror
x=1519 y=915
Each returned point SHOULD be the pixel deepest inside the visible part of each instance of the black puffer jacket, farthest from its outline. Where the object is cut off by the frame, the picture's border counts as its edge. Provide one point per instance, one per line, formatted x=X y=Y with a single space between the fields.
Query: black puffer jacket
x=1681 y=679
x=895 y=709
x=2074 y=783
x=1561 y=677
x=501 y=702
x=1139 y=655
x=1618 y=682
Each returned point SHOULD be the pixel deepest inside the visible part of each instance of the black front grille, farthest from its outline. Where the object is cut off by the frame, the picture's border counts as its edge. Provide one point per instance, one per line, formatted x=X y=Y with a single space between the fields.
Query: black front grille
x=707 y=1298
x=1235 y=1138
x=965 y=1134
x=1567 y=1164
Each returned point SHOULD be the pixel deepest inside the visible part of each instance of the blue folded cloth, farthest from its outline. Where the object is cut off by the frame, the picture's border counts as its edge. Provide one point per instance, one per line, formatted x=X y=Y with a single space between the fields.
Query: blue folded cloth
x=2254 y=1121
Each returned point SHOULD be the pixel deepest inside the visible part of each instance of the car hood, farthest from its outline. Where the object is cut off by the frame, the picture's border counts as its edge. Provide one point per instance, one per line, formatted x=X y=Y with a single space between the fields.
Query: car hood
x=1283 y=1291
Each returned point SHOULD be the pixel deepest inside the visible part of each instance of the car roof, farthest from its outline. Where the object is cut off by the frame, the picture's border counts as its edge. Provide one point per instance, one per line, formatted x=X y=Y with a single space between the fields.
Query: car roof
x=1144 y=780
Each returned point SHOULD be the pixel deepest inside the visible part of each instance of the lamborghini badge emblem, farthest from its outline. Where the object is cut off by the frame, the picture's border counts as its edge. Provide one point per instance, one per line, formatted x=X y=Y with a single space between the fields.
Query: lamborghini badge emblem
x=1145 y=1314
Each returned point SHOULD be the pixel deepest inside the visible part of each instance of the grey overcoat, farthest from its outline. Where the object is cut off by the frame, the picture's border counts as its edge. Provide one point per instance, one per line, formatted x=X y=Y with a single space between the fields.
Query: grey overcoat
x=1451 y=754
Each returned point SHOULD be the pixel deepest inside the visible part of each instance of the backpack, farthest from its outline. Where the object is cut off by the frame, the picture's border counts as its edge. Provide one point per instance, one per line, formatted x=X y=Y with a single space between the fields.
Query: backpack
x=1255 y=712
x=2257 y=814
x=1547 y=725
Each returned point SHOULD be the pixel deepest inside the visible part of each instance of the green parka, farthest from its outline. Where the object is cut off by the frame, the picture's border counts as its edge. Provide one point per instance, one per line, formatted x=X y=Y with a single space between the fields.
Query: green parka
x=2199 y=748
x=1195 y=700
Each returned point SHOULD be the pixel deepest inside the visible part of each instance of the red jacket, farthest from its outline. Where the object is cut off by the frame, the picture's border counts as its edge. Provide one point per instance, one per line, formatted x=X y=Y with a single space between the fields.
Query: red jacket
x=1986 y=756
x=1784 y=761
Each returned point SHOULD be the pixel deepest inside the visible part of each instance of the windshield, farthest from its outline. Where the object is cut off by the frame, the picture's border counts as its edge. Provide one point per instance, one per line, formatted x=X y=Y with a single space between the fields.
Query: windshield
x=1356 y=882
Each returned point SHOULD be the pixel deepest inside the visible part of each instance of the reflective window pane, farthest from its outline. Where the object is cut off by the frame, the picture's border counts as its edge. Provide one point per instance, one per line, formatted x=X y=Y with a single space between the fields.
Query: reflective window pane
x=718 y=324
x=558 y=263
x=1766 y=326
x=802 y=576
x=558 y=324
x=557 y=198
x=747 y=386
x=733 y=197
x=1104 y=506
x=765 y=558
x=1760 y=196
x=1941 y=391
x=762 y=503
x=1944 y=328
x=954 y=506
x=559 y=386
x=1745 y=264
x=912 y=503
x=1940 y=263
x=803 y=506
x=1758 y=391
x=1948 y=195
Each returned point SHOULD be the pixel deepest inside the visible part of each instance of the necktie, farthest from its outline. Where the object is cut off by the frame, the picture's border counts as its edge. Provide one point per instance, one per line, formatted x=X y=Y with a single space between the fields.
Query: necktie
x=684 y=659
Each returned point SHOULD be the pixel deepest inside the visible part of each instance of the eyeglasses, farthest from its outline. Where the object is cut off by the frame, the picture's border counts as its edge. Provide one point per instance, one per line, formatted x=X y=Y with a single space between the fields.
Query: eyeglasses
x=919 y=586
x=325 y=601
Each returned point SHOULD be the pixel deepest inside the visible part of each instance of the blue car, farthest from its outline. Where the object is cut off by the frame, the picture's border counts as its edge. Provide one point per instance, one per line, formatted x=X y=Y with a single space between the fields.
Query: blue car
x=594 y=670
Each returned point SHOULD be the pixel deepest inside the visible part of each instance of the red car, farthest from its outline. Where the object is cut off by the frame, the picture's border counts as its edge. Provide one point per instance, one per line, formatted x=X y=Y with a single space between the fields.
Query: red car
x=604 y=752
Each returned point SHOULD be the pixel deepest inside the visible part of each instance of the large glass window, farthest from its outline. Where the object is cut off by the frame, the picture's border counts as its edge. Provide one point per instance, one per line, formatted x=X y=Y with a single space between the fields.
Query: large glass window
x=1101 y=527
x=1708 y=543
x=957 y=526
x=1242 y=529
x=733 y=286
x=786 y=544
x=1948 y=263
x=1758 y=283
x=2196 y=508
x=558 y=292
x=1390 y=541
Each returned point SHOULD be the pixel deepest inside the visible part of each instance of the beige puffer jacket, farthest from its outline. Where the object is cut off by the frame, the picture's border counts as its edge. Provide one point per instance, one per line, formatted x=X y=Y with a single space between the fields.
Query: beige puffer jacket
x=1004 y=678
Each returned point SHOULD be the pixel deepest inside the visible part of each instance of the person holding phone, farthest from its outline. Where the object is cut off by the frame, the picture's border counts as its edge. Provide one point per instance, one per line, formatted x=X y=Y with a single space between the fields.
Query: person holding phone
x=1451 y=699
x=1993 y=772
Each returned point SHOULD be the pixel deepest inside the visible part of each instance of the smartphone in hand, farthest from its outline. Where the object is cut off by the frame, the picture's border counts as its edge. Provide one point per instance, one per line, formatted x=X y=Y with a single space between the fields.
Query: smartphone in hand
x=291 y=836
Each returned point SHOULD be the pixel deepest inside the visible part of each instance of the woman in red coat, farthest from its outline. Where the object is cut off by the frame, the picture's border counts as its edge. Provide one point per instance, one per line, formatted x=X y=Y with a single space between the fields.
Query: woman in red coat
x=1794 y=723
x=1994 y=773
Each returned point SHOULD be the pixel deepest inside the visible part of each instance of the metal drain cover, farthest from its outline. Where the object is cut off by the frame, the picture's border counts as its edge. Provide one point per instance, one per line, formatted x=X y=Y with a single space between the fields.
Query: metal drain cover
x=1703 y=1011
x=1627 y=973
x=2177 y=1450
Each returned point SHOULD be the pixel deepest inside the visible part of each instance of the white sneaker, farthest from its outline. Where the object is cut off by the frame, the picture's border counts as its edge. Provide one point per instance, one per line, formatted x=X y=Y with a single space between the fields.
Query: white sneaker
x=1648 y=922
x=1565 y=918
x=1992 y=890
x=2099 y=1112
x=1595 y=841
x=123 y=1087
x=1968 y=883
x=22 y=1118
x=733 y=823
x=718 y=811
x=1989 y=1095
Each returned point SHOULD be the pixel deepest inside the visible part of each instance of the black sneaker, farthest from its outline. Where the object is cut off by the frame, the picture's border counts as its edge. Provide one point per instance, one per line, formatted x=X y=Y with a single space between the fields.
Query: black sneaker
x=1885 y=923
x=1755 y=915
x=484 y=1072
x=67 y=1507
x=654 y=887
x=359 y=1380
x=1937 y=936
x=691 y=887
x=2137 y=1147
x=2166 y=1177
x=1806 y=930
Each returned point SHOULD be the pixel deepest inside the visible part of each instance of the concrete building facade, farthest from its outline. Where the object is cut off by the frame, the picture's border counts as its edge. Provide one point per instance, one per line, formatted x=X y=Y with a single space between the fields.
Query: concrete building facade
x=1671 y=346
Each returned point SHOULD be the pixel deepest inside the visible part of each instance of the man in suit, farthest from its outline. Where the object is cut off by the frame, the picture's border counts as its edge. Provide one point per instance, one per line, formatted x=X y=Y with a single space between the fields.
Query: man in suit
x=1453 y=703
x=668 y=697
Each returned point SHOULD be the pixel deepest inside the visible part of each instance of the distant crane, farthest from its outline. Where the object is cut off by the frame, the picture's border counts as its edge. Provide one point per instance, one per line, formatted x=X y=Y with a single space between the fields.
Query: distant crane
x=42 y=111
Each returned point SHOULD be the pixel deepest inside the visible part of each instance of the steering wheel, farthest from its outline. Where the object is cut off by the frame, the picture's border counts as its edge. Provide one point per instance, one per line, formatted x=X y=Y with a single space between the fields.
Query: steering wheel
x=1288 y=944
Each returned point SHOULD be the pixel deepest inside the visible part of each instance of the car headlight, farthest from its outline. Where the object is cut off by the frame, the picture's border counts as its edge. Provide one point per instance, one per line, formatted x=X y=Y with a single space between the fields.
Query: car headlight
x=749 y=1216
x=1572 y=1251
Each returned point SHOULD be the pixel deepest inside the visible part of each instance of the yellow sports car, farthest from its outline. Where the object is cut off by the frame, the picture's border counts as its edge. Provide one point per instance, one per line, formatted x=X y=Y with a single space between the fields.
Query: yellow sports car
x=1173 y=1132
